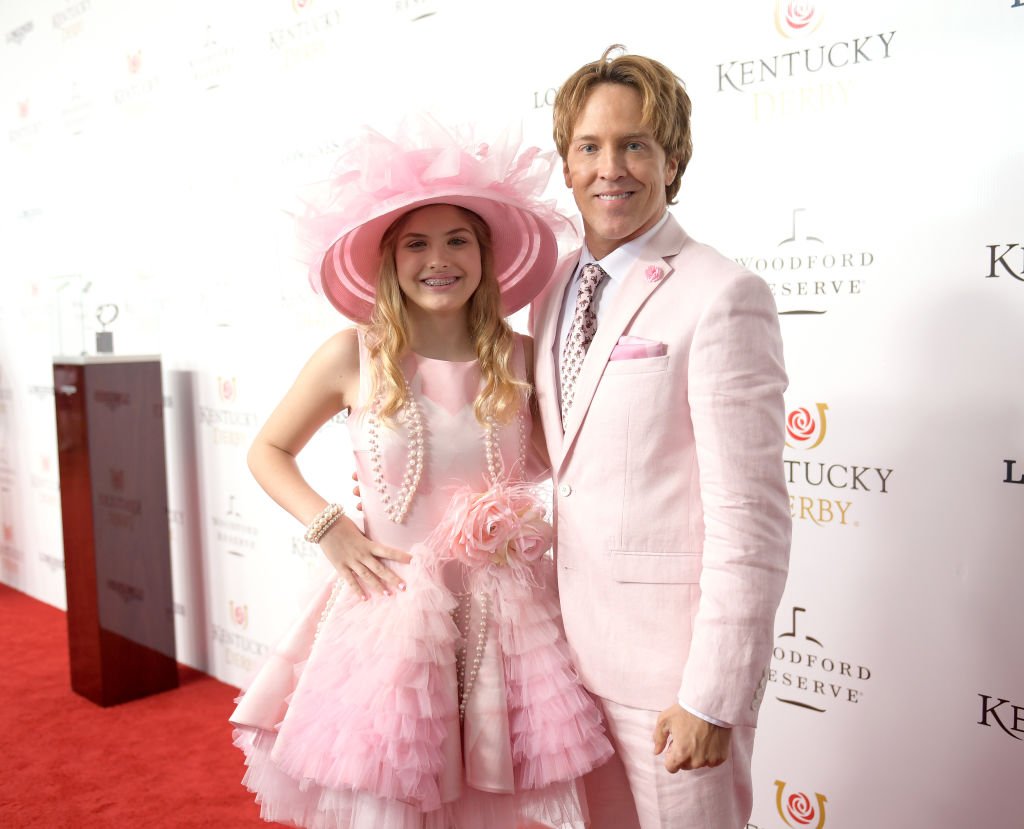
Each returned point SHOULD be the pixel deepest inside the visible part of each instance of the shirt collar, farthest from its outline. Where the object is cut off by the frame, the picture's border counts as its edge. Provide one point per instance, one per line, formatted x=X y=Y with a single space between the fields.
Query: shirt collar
x=617 y=263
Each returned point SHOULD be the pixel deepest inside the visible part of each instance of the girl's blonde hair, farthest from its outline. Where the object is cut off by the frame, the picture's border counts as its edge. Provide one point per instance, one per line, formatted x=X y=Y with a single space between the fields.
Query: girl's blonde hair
x=387 y=334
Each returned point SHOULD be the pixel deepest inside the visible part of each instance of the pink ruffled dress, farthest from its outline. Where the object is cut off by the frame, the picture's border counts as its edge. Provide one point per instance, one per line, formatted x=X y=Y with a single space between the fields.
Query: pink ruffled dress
x=451 y=705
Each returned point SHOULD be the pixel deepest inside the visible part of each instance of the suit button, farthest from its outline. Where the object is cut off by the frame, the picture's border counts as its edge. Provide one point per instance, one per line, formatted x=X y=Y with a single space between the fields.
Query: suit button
x=564 y=490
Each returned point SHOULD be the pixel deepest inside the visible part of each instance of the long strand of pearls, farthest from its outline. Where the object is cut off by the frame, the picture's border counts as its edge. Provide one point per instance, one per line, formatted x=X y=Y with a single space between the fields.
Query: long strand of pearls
x=396 y=509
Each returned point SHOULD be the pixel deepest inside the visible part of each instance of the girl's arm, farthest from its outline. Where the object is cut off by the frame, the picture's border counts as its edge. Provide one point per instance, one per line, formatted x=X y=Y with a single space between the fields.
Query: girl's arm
x=327 y=384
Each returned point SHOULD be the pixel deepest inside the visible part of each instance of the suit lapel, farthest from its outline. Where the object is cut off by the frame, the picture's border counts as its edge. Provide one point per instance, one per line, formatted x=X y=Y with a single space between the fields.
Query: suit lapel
x=632 y=294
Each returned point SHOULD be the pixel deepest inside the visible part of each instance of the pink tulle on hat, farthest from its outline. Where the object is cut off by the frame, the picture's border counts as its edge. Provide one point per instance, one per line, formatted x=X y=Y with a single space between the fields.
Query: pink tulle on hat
x=378 y=179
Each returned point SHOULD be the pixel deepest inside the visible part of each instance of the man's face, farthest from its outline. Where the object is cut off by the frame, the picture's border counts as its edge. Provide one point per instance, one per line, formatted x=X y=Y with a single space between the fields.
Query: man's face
x=616 y=170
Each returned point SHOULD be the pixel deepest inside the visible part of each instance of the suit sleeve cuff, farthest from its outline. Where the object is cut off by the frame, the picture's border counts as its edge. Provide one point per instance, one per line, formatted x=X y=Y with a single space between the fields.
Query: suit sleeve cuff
x=705 y=717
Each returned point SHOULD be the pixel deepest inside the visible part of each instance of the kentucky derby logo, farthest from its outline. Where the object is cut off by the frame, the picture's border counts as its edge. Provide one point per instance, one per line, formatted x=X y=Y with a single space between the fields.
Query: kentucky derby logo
x=301 y=5
x=117 y=479
x=798 y=810
x=804 y=430
x=239 y=614
x=796 y=19
x=135 y=62
x=227 y=387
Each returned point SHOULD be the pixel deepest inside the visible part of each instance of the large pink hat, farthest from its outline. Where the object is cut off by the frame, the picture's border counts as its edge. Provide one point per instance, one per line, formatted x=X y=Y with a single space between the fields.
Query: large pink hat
x=378 y=179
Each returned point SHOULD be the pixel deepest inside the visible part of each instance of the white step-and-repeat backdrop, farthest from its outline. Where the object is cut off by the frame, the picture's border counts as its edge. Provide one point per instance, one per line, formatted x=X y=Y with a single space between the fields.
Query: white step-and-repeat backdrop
x=865 y=158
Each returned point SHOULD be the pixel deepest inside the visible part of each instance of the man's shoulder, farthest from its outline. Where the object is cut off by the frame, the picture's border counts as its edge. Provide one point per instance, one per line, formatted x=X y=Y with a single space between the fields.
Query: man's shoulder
x=706 y=265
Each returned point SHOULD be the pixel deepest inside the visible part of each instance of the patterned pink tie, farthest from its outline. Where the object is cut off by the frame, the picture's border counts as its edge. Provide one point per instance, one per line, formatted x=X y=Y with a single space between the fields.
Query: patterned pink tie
x=581 y=333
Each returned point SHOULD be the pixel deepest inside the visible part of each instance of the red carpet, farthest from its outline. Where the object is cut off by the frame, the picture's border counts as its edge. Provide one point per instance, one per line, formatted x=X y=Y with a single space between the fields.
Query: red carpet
x=166 y=760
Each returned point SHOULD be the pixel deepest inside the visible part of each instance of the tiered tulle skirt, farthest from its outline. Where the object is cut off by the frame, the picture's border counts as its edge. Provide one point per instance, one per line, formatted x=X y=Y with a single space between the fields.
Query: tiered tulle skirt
x=357 y=724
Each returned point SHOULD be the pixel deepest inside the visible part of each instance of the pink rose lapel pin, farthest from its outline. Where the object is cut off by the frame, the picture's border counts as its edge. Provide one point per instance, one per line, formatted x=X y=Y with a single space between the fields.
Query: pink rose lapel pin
x=653 y=273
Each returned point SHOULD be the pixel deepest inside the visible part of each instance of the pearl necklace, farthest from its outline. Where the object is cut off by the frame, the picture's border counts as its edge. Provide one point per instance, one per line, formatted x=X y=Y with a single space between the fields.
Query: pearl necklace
x=397 y=507
x=413 y=417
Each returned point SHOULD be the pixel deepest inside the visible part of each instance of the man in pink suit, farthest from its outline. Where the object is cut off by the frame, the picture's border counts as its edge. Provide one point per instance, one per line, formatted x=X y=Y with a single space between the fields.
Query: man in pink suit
x=659 y=380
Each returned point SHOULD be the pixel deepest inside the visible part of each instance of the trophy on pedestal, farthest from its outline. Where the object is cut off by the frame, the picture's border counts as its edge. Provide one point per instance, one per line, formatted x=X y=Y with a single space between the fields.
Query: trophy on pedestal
x=105 y=315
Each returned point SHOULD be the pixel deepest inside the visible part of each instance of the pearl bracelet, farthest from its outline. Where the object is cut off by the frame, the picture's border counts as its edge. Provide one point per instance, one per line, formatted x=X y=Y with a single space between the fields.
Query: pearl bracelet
x=319 y=526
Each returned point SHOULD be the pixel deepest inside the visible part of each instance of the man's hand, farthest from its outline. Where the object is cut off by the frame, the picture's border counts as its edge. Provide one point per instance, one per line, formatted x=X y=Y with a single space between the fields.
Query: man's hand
x=692 y=743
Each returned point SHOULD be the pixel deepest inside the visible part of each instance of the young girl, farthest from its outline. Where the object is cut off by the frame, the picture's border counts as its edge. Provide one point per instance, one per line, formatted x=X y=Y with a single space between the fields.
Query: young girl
x=429 y=684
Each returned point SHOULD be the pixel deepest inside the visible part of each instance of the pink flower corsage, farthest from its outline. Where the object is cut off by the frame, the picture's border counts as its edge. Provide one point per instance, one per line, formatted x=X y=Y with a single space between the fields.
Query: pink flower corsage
x=653 y=273
x=503 y=525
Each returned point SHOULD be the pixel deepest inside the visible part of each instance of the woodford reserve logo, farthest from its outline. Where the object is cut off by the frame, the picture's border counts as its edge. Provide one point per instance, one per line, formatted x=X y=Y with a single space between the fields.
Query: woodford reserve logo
x=805 y=274
x=823 y=492
x=808 y=676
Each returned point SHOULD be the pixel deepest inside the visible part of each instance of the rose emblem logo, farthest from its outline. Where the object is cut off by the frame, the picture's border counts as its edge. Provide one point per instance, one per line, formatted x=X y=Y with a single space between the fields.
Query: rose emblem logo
x=798 y=810
x=227 y=388
x=239 y=614
x=805 y=430
x=796 y=19
x=800 y=424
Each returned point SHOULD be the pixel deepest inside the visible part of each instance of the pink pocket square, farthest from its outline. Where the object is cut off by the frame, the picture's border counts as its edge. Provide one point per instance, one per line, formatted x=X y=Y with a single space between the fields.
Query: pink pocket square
x=633 y=348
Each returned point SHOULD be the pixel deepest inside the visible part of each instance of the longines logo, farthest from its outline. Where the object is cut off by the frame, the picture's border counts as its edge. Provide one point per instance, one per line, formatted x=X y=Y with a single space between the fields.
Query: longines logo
x=798 y=810
x=1010 y=468
x=999 y=266
x=806 y=427
x=805 y=274
x=325 y=149
x=997 y=712
x=806 y=676
x=17 y=36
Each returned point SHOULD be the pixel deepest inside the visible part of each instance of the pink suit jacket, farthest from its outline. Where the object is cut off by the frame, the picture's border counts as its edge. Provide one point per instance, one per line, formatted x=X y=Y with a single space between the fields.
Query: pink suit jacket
x=671 y=512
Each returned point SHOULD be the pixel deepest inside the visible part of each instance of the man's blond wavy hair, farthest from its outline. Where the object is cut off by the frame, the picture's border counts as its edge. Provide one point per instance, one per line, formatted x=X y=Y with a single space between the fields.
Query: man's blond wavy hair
x=387 y=334
x=663 y=99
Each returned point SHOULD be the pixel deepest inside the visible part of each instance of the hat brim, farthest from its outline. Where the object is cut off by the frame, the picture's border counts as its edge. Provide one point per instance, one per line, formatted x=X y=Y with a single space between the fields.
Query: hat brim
x=525 y=250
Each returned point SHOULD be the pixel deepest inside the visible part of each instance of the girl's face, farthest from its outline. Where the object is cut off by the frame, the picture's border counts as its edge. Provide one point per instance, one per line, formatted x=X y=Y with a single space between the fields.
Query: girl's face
x=437 y=257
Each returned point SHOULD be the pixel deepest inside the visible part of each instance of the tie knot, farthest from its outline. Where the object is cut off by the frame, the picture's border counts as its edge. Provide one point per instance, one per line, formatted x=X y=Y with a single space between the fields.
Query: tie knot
x=590 y=278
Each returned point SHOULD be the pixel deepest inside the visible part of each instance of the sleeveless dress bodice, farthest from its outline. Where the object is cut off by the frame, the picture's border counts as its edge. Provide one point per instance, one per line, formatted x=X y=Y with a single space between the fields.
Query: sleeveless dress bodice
x=454 y=452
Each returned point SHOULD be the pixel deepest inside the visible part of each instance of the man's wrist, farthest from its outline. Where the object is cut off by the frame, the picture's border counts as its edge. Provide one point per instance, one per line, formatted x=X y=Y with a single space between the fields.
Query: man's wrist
x=703 y=716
